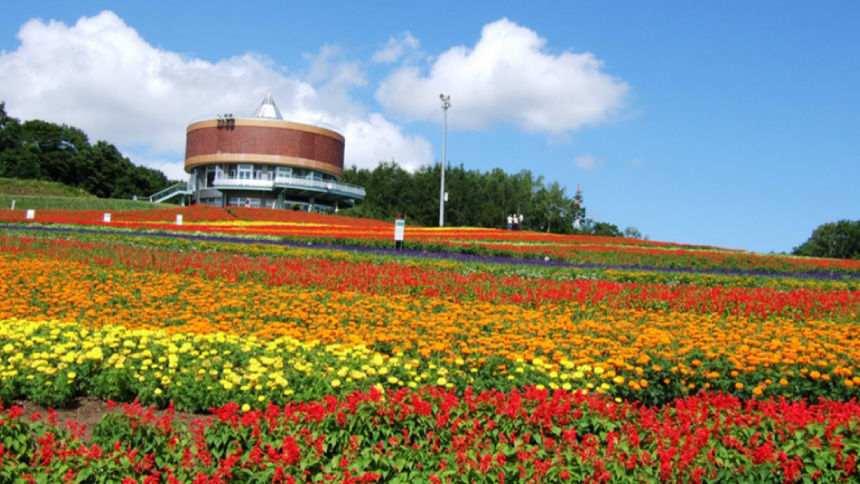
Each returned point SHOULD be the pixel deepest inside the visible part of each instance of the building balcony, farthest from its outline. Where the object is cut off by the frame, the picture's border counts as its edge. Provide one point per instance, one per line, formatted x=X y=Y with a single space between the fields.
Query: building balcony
x=302 y=184
x=245 y=183
x=321 y=186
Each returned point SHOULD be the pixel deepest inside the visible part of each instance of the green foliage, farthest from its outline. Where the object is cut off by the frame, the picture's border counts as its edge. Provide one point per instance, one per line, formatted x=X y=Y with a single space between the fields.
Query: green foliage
x=39 y=150
x=634 y=233
x=605 y=229
x=555 y=212
x=836 y=240
x=475 y=199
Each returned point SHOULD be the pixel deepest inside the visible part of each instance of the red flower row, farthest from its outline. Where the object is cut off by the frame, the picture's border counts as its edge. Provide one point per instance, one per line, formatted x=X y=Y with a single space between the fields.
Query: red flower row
x=434 y=435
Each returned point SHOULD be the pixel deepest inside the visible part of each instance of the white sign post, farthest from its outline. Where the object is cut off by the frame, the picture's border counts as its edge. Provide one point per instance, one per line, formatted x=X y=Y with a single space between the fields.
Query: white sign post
x=106 y=218
x=179 y=220
x=31 y=214
x=399 y=229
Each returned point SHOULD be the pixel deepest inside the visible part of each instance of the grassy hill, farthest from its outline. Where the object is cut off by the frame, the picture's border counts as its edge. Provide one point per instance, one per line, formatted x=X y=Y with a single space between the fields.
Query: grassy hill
x=45 y=195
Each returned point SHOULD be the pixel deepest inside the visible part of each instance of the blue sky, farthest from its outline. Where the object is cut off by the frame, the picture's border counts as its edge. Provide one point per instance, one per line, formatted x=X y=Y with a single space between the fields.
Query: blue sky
x=733 y=124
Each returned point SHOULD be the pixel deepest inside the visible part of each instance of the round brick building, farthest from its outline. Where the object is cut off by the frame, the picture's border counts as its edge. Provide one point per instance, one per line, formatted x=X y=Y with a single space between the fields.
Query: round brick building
x=264 y=161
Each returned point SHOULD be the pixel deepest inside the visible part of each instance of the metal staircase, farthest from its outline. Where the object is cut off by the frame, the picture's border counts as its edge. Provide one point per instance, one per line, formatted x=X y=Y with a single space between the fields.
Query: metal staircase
x=170 y=192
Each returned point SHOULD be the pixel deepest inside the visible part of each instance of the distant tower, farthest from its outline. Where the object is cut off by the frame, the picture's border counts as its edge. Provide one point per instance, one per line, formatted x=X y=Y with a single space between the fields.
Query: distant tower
x=577 y=224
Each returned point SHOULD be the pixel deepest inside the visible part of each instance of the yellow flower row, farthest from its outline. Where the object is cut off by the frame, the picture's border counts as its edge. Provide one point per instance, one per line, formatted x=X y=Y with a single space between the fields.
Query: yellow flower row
x=223 y=366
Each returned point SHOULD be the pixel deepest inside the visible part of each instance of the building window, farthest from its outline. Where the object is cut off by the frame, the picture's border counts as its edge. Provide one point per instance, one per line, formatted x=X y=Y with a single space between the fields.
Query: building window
x=283 y=172
x=210 y=176
x=246 y=172
x=244 y=202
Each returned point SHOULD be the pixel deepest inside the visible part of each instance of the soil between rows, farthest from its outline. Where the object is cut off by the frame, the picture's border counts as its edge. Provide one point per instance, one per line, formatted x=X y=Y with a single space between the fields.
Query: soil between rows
x=89 y=412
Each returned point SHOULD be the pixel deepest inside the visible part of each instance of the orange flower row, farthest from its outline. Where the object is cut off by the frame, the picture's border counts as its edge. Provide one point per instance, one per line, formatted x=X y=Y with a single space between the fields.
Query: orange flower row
x=37 y=288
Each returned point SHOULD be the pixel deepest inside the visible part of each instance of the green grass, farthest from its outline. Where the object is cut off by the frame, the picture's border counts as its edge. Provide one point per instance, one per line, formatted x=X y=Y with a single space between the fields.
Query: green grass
x=61 y=203
x=44 y=195
x=40 y=188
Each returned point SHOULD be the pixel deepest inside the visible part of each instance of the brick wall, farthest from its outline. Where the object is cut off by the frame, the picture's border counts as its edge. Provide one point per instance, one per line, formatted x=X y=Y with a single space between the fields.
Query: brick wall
x=265 y=141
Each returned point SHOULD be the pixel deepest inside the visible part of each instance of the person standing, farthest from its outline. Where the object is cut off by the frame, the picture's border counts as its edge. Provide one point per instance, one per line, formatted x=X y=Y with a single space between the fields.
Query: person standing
x=521 y=221
x=510 y=221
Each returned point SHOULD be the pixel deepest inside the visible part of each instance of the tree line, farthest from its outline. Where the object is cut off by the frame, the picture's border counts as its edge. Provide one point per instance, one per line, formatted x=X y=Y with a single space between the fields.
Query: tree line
x=39 y=150
x=475 y=199
x=837 y=240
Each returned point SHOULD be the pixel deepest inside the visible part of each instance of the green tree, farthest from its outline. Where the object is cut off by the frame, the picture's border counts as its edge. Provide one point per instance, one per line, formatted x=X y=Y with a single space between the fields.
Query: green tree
x=837 y=240
x=475 y=199
x=424 y=197
x=59 y=150
x=605 y=229
x=389 y=191
x=10 y=130
x=41 y=150
x=633 y=233
x=11 y=149
x=555 y=212
x=465 y=196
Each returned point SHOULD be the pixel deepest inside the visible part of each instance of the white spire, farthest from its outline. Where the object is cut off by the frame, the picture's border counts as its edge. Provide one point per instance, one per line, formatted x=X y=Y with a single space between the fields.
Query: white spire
x=268 y=109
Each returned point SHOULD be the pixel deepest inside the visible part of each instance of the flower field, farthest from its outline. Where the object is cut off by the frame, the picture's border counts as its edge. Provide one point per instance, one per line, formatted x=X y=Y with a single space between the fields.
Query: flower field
x=306 y=227
x=316 y=353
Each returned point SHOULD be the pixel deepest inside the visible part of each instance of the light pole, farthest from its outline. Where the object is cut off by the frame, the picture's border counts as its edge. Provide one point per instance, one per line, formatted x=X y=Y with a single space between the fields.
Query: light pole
x=446 y=103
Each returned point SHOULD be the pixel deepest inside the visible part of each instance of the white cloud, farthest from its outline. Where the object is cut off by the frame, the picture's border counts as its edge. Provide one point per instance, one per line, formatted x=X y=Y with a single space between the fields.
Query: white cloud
x=507 y=77
x=636 y=161
x=397 y=47
x=328 y=66
x=378 y=139
x=101 y=76
x=587 y=162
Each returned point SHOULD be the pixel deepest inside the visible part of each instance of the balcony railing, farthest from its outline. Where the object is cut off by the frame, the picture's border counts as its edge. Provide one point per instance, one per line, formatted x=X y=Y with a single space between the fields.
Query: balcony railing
x=331 y=186
x=317 y=185
x=225 y=182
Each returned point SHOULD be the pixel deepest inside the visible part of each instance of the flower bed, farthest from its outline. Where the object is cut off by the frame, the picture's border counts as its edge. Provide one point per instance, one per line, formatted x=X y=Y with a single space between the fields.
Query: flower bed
x=333 y=229
x=436 y=435
x=332 y=364
x=651 y=343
